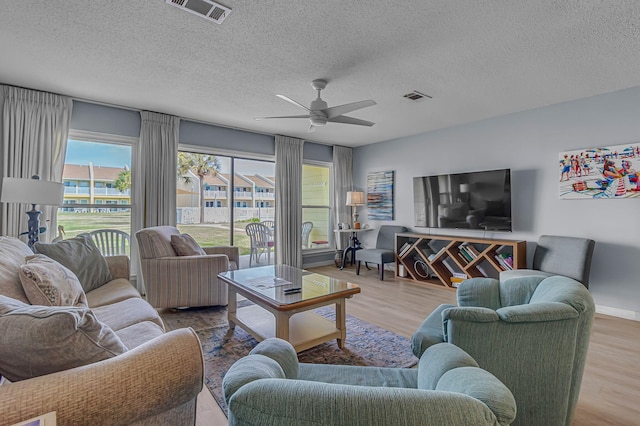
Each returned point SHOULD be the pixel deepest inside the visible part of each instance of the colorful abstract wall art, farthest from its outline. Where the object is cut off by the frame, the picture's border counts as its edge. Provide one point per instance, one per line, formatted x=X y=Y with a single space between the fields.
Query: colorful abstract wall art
x=380 y=186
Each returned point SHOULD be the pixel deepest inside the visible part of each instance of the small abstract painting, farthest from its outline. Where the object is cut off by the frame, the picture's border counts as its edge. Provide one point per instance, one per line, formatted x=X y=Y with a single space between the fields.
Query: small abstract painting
x=606 y=172
x=380 y=195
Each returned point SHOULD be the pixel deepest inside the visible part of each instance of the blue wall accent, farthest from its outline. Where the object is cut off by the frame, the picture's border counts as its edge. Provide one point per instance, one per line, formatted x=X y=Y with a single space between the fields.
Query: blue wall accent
x=105 y=119
x=201 y=134
x=530 y=143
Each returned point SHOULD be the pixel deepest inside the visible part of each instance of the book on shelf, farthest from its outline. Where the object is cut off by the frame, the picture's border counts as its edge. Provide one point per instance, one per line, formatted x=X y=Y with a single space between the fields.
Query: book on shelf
x=502 y=260
x=464 y=247
x=426 y=250
x=460 y=275
x=404 y=249
x=508 y=260
x=455 y=282
x=473 y=250
x=434 y=255
x=465 y=255
x=451 y=266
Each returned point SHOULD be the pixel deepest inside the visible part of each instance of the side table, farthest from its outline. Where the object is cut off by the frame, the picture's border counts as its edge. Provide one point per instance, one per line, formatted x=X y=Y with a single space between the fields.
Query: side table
x=354 y=244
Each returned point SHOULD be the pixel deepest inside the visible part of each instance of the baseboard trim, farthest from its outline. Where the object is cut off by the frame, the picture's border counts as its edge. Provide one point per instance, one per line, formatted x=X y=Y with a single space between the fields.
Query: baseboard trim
x=618 y=312
x=318 y=264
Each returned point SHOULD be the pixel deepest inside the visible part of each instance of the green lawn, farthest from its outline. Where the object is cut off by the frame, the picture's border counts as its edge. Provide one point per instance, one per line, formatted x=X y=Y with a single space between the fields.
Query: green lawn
x=207 y=234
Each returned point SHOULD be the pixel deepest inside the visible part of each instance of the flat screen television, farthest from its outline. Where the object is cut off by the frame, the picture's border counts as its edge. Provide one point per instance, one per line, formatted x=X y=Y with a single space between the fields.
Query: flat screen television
x=475 y=200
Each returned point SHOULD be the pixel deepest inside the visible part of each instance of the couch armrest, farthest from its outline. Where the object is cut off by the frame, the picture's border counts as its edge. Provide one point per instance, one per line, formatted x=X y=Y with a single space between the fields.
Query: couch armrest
x=232 y=252
x=470 y=313
x=118 y=266
x=219 y=263
x=157 y=376
x=537 y=312
x=287 y=402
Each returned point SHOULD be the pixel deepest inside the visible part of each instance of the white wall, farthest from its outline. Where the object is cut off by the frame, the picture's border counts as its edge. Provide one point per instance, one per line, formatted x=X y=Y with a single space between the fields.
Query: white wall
x=529 y=143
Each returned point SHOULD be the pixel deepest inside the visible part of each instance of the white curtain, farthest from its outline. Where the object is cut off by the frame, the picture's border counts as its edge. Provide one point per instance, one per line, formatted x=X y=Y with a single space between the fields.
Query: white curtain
x=159 y=151
x=35 y=127
x=343 y=182
x=289 y=201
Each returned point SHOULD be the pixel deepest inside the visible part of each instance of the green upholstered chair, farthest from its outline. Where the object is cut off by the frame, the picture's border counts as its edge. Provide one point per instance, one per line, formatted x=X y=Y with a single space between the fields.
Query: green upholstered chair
x=531 y=332
x=270 y=387
x=557 y=255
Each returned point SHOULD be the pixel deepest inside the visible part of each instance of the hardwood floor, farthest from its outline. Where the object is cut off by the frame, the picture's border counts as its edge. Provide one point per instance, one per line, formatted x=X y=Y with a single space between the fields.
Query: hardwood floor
x=611 y=383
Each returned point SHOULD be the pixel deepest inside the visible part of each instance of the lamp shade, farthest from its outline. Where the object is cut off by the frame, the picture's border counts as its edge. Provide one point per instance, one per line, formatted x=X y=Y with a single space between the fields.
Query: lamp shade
x=465 y=187
x=32 y=191
x=355 y=198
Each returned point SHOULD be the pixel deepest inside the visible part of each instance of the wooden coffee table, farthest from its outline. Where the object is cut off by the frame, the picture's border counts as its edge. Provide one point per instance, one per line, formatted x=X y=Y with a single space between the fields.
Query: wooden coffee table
x=288 y=316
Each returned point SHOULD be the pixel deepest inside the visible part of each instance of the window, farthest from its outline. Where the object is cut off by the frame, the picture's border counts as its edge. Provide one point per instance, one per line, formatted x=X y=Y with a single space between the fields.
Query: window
x=316 y=206
x=230 y=197
x=97 y=179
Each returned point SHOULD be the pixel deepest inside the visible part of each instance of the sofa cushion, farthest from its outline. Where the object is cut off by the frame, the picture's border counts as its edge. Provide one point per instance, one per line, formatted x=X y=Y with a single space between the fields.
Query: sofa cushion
x=38 y=340
x=82 y=257
x=185 y=245
x=12 y=255
x=46 y=282
x=112 y=292
x=127 y=312
x=139 y=333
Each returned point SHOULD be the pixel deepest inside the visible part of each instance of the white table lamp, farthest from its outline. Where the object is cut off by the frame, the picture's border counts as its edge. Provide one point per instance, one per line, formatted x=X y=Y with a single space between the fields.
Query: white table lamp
x=355 y=199
x=32 y=191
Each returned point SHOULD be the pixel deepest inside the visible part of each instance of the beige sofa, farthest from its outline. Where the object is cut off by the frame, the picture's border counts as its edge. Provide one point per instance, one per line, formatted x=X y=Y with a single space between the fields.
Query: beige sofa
x=155 y=382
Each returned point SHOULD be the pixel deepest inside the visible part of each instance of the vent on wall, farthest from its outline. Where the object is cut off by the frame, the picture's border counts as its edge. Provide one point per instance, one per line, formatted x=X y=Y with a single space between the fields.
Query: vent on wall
x=204 y=8
x=416 y=96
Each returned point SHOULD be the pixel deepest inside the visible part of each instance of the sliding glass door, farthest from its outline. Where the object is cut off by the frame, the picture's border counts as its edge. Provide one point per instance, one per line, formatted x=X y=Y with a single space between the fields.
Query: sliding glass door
x=218 y=196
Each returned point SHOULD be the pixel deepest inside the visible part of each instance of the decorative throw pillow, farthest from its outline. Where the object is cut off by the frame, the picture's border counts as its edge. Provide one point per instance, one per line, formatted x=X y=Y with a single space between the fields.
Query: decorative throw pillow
x=82 y=257
x=185 y=245
x=46 y=282
x=38 y=340
x=12 y=254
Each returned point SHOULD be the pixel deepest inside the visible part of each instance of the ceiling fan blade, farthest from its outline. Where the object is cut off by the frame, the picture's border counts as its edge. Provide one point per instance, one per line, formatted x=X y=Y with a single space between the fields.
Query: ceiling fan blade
x=350 y=120
x=284 y=116
x=343 y=109
x=284 y=98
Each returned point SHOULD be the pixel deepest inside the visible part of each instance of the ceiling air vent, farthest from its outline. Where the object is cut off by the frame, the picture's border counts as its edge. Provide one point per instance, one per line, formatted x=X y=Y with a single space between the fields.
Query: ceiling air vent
x=416 y=96
x=204 y=8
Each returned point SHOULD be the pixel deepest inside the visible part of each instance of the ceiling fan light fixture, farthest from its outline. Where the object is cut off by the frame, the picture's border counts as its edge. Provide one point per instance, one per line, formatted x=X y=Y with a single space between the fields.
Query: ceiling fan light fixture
x=318 y=121
x=320 y=114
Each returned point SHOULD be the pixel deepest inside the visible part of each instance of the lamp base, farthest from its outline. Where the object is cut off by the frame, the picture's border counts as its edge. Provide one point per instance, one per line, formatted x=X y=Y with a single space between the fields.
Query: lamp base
x=34 y=225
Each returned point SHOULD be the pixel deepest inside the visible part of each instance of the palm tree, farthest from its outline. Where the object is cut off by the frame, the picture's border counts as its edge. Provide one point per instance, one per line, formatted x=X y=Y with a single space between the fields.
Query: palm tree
x=124 y=180
x=201 y=165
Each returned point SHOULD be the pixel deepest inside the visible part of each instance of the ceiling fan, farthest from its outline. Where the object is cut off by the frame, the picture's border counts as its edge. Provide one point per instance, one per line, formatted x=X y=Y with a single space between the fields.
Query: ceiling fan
x=320 y=114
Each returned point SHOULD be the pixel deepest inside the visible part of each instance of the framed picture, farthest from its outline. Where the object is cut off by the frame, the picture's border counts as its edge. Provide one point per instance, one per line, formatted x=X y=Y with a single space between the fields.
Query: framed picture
x=380 y=186
x=605 y=172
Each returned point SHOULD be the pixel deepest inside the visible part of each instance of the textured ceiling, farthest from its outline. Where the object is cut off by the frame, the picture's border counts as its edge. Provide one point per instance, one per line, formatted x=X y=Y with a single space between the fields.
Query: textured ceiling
x=477 y=58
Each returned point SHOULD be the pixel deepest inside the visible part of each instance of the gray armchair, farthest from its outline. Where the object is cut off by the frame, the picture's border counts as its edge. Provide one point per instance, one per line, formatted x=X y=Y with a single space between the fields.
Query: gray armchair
x=384 y=251
x=270 y=387
x=173 y=281
x=556 y=255
x=531 y=332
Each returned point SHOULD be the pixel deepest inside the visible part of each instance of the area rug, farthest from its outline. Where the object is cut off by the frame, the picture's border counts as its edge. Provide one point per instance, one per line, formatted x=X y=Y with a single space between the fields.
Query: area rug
x=366 y=344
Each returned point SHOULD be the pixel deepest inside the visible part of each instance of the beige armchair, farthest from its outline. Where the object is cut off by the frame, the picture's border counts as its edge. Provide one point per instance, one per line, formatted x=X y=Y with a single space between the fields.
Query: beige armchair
x=173 y=281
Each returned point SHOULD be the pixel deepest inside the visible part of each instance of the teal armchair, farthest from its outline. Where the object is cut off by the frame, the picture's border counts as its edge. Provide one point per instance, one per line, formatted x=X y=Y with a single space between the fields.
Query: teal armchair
x=531 y=332
x=270 y=387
